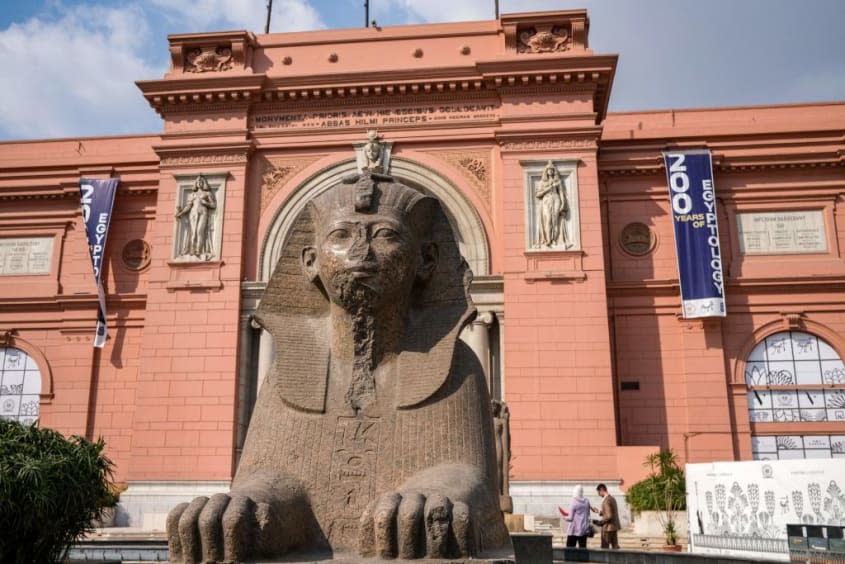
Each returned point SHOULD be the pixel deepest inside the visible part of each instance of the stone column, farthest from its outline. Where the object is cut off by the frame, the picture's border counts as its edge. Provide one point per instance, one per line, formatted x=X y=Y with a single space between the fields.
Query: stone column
x=266 y=356
x=245 y=371
x=477 y=336
x=500 y=317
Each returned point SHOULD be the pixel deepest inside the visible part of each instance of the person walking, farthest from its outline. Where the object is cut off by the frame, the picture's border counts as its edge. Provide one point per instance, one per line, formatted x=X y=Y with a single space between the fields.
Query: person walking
x=579 y=519
x=609 y=521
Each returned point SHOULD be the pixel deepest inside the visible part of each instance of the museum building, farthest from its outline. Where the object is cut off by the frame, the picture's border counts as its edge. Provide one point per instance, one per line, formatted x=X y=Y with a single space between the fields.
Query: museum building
x=580 y=328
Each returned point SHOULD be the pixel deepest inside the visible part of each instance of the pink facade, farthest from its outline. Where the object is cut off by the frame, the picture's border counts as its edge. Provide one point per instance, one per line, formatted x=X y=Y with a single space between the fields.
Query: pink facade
x=584 y=341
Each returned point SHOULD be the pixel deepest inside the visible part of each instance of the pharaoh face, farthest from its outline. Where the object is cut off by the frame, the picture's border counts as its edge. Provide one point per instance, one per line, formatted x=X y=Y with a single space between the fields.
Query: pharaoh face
x=373 y=151
x=366 y=259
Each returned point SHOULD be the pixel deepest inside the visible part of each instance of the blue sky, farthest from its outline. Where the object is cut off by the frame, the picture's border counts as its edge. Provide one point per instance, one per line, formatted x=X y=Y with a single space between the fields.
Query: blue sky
x=70 y=66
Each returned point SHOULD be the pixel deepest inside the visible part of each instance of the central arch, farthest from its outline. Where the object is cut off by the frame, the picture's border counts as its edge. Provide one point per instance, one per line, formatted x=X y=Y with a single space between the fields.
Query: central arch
x=463 y=217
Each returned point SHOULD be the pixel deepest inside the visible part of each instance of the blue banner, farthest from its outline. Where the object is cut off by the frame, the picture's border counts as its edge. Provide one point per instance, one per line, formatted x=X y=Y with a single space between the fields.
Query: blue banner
x=693 y=198
x=97 y=198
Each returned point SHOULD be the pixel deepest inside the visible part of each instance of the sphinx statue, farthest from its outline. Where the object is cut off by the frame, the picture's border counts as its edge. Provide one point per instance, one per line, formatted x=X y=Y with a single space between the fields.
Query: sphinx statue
x=373 y=435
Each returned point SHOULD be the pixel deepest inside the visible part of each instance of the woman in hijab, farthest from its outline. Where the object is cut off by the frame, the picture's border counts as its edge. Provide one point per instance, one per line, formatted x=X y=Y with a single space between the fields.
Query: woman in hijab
x=579 y=519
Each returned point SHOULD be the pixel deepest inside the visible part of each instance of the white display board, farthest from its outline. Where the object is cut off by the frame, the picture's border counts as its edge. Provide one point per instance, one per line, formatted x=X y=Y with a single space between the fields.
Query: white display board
x=742 y=508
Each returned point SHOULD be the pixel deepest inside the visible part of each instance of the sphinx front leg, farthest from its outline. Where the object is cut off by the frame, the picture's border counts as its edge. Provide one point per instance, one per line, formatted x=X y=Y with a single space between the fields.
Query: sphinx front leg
x=264 y=516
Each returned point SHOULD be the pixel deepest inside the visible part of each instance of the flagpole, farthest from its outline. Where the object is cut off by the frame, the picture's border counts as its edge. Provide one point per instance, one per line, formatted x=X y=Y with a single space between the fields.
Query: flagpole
x=269 y=10
x=366 y=13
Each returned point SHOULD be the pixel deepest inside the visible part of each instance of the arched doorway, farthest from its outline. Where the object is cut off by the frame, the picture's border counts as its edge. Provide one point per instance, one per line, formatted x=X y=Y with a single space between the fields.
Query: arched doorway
x=466 y=223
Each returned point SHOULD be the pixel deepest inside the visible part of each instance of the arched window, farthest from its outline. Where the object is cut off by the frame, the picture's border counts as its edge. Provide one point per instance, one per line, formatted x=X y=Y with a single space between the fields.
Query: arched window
x=795 y=377
x=20 y=386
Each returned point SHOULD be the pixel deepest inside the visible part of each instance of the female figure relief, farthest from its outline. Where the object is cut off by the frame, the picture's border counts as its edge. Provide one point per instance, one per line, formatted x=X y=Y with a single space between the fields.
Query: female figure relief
x=198 y=209
x=552 y=209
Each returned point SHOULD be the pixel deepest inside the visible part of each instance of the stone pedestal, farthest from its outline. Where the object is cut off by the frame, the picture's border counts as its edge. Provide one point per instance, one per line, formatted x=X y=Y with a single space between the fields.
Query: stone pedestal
x=531 y=548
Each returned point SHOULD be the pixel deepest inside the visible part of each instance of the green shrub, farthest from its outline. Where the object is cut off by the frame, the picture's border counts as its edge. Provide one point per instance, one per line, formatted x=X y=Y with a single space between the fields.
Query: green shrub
x=51 y=488
x=663 y=490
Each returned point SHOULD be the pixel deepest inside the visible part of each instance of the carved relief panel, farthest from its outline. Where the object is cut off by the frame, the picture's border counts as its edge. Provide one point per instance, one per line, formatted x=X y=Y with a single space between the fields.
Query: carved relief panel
x=552 y=220
x=198 y=218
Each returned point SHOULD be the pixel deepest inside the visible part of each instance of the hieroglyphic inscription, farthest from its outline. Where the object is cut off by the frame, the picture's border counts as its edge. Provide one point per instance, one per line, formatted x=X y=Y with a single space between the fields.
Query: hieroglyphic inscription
x=375 y=117
x=352 y=474
x=25 y=255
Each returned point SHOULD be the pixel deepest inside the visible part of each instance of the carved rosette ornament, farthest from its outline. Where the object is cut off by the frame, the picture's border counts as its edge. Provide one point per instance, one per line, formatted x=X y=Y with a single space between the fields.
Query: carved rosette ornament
x=543 y=39
x=475 y=166
x=209 y=59
x=276 y=174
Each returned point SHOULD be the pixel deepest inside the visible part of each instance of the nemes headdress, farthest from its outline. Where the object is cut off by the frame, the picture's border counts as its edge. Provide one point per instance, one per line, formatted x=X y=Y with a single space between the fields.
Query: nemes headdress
x=295 y=311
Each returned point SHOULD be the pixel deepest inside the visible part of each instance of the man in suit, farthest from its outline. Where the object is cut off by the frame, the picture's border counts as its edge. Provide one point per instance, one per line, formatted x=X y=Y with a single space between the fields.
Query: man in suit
x=609 y=521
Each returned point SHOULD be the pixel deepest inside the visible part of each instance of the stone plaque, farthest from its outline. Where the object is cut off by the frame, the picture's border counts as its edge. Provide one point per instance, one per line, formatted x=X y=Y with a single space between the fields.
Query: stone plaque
x=22 y=256
x=781 y=233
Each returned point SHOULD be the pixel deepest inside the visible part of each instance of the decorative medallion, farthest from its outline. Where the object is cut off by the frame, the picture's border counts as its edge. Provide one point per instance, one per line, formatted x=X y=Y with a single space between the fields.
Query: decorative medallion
x=136 y=254
x=637 y=239
x=546 y=39
x=209 y=59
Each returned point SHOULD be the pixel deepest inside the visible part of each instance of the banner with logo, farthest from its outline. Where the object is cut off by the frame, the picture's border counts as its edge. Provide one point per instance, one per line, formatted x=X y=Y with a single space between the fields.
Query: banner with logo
x=97 y=198
x=693 y=198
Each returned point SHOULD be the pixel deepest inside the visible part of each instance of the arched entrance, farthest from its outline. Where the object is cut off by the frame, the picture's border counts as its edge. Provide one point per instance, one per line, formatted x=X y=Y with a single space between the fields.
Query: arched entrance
x=466 y=223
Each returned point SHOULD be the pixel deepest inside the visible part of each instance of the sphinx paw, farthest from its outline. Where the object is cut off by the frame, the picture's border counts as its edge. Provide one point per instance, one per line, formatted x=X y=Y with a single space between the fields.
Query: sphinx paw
x=412 y=525
x=222 y=528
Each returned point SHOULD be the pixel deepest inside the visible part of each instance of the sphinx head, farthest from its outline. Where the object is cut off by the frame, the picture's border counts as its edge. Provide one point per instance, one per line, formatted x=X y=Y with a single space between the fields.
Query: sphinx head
x=371 y=243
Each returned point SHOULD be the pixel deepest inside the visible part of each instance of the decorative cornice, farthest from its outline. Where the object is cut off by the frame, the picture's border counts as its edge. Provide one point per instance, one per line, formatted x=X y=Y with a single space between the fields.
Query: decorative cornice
x=281 y=102
x=547 y=144
x=784 y=285
x=203 y=159
x=64 y=191
x=551 y=74
x=654 y=165
x=67 y=302
x=216 y=154
x=201 y=92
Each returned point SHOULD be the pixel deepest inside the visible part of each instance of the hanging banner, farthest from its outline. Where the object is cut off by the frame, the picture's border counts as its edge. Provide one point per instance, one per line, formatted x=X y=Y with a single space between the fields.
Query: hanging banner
x=690 y=177
x=97 y=198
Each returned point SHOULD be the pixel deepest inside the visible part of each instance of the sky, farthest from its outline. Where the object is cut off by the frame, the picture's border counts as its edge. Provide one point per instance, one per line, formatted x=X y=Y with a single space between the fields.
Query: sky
x=70 y=66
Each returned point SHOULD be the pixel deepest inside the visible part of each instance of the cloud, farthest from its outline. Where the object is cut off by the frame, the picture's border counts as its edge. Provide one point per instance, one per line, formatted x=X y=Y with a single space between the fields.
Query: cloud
x=434 y=10
x=288 y=15
x=74 y=74
x=71 y=72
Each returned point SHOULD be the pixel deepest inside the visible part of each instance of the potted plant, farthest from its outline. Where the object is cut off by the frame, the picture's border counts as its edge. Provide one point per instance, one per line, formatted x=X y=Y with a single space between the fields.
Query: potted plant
x=663 y=492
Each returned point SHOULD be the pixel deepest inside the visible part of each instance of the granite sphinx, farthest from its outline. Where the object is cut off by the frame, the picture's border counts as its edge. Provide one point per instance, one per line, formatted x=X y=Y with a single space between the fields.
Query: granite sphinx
x=373 y=435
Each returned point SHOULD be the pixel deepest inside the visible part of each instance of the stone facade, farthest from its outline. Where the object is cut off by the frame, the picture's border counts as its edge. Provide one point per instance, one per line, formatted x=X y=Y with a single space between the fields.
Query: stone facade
x=586 y=344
